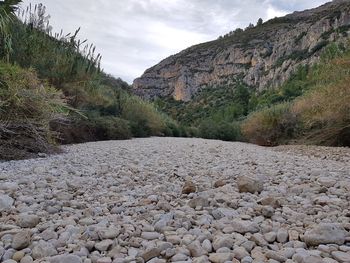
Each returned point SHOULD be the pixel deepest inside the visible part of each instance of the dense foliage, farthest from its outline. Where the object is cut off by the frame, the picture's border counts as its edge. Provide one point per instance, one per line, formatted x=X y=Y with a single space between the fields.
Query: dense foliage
x=53 y=84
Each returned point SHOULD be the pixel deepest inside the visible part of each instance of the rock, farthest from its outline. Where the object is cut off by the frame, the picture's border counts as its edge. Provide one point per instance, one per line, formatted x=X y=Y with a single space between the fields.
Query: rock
x=282 y=236
x=202 y=259
x=27 y=259
x=250 y=185
x=104 y=245
x=326 y=233
x=267 y=211
x=108 y=233
x=223 y=241
x=18 y=256
x=220 y=257
x=242 y=227
x=151 y=253
x=341 y=256
x=270 y=201
x=104 y=260
x=196 y=249
x=270 y=237
x=189 y=187
x=207 y=245
x=6 y=203
x=219 y=183
x=275 y=256
x=21 y=240
x=150 y=235
x=28 y=221
x=326 y=181
x=198 y=202
x=43 y=249
x=240 y=253
x=65 y=259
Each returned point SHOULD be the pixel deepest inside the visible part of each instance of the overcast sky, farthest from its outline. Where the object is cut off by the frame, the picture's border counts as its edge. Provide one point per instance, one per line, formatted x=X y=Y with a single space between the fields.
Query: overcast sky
x=133 y=35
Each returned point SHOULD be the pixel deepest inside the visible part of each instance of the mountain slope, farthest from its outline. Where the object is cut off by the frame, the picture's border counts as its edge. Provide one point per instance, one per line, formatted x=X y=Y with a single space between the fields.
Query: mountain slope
x=262 y=57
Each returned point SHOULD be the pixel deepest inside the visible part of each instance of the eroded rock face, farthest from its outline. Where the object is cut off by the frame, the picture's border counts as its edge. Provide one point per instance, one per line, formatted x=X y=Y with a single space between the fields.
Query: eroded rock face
x=265 y=56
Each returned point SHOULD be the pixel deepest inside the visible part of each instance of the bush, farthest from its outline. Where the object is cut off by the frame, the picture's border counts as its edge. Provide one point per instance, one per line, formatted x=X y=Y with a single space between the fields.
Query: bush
x=210 y=129
x=27 y=106
x=270 y=126
x=325 y=114
x=144 y=119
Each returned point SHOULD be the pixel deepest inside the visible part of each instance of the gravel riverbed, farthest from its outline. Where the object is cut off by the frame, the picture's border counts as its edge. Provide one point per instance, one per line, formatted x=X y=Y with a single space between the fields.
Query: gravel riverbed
x=177 y=200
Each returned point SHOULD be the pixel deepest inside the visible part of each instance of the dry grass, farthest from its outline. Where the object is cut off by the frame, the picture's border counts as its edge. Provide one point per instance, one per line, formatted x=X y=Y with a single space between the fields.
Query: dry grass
x=325 y=114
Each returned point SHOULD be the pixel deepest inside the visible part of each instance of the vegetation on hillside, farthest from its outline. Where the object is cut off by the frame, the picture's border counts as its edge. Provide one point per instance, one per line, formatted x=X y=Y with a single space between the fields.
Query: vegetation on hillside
x=52 y=89
x=311 y=107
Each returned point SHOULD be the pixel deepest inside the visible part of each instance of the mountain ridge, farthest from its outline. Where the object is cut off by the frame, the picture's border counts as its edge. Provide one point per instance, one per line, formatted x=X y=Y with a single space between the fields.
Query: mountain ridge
x=264 y=56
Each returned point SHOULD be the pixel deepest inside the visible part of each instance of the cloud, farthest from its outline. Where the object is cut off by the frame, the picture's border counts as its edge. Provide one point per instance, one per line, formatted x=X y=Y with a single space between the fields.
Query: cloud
x=133 y=35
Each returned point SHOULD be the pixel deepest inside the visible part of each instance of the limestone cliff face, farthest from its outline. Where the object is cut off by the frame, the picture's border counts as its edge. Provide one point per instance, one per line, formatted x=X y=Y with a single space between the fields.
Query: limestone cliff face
x=264 y=56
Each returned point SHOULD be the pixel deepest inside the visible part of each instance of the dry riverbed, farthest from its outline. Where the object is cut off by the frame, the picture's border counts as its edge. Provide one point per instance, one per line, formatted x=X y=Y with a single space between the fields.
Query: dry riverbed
x=177 y=200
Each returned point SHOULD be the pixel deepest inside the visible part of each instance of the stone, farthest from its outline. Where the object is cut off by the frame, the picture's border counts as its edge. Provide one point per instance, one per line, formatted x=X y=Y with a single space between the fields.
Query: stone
x=21 y=240
x=104 y=245
x=275 y=256
x=27 y=259
x=219 y=183
x=326 y=233
x=189 y=187
x=151 y=253
x=207 y=245
x=240 y=253
x=198 y=202
x=196 y=249
x=282 y=236
x=341 y=256
x=18 y=256
x=28 y=221
x=43 y=249
x=223 y=241
x=150 y=235
x=250 y=185
x=220 y=257
x=65 y=259
x=270 y=237
x=6 y=203
x=242 y=227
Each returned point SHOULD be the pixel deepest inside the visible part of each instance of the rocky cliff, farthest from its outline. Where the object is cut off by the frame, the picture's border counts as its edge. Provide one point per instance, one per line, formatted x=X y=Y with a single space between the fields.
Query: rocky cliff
x=263 y=57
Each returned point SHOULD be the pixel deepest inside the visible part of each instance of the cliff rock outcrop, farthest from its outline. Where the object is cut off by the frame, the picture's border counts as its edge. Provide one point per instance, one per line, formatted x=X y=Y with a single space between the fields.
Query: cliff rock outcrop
x=263 y=57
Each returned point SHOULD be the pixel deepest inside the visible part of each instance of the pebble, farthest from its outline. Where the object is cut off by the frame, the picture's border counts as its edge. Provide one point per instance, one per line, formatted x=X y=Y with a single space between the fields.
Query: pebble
x=163 y=200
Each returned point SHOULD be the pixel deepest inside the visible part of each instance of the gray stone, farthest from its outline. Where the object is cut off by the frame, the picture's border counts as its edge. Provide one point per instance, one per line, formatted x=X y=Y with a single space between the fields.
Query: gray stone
x=6 y=203
x=250 y=184
x=21 y=240
x=65 y=259
x=326 y=233
x=43 y=249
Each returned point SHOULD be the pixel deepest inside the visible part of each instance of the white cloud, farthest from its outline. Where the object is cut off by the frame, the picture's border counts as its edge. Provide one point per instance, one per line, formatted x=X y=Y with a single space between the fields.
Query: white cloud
x=273 y=12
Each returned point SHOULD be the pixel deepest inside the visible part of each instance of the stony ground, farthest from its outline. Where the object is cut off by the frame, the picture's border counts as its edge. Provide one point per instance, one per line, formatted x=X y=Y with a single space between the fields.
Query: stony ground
x=177 y=200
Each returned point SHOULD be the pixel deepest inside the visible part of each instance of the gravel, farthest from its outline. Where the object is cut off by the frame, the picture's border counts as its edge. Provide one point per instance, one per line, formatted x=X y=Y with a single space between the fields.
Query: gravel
x=177 y=200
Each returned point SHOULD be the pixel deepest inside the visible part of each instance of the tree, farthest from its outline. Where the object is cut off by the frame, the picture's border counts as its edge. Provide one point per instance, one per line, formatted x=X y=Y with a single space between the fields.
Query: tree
x=260 y=22
x=250 y=26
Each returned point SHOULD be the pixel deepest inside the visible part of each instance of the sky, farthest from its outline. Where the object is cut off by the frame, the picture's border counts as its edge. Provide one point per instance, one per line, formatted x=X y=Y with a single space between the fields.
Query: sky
x=133 y=35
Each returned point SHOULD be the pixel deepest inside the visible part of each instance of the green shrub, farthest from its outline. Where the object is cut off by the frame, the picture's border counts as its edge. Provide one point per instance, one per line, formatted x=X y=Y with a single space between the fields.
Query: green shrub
x=144 y=119
x=270 y=126
x=210 y=129
x=27 y=106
